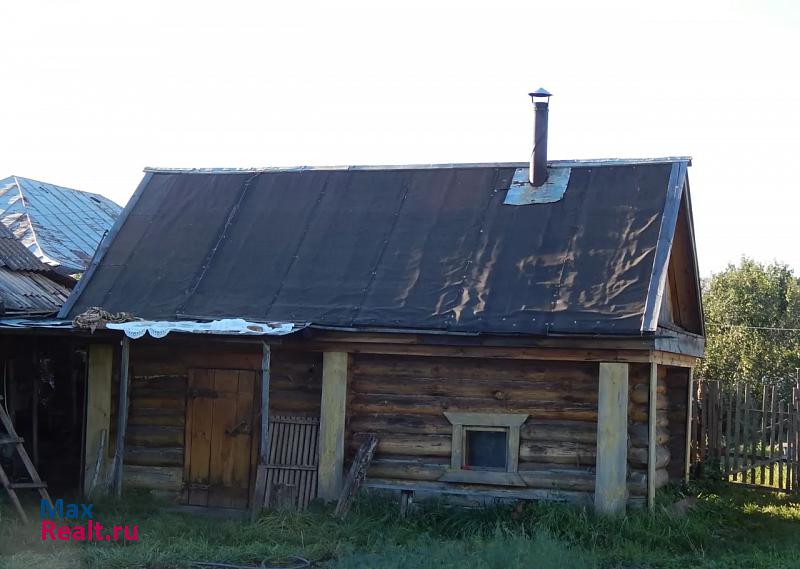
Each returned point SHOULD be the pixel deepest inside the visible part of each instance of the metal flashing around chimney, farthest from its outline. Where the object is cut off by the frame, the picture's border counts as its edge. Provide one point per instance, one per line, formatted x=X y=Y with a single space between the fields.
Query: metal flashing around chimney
x=522 y=192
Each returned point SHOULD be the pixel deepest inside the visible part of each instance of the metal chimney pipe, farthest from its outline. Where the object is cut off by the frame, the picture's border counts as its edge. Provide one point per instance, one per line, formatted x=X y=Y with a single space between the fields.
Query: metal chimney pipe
x=537 y=174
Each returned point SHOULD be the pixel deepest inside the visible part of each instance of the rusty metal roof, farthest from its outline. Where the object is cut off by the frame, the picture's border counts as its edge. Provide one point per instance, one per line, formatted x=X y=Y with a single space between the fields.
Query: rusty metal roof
x=14 y=255
x=27 y=285
x=61 y=226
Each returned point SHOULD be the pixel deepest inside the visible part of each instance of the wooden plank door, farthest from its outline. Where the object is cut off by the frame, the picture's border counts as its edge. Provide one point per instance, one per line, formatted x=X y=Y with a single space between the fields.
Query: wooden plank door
x=219 y=437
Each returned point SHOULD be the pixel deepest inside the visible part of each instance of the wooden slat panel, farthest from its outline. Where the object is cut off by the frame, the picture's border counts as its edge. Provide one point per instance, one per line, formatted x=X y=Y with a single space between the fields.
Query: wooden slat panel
x=294 y=457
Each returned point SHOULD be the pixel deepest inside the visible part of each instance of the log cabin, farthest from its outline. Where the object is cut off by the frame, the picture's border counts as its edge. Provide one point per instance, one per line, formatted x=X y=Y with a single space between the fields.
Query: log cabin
x=508 y=331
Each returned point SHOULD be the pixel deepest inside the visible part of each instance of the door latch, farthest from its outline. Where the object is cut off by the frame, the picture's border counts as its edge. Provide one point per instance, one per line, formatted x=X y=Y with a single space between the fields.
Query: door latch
x=242 y=428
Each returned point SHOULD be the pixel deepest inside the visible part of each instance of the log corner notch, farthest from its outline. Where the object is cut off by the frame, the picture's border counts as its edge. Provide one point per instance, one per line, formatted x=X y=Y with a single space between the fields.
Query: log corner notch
x=610 y=495
x=335 y=373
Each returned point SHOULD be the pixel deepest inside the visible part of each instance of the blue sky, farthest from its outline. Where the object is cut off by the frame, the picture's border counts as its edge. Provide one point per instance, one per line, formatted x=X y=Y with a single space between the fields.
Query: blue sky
x=95 y=91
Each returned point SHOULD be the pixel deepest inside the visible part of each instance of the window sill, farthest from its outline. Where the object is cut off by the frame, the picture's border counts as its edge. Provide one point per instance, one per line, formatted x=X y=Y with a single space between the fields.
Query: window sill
x=483 y=477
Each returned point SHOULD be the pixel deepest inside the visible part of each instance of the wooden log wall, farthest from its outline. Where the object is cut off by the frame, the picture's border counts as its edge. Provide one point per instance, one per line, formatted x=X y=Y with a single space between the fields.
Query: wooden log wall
x=402 y=400
x=638 y=411
x=677 y=381
x=154 y=453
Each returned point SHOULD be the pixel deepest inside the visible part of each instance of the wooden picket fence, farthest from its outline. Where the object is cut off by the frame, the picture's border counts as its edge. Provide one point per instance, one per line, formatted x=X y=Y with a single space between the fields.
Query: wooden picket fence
x=751 y=433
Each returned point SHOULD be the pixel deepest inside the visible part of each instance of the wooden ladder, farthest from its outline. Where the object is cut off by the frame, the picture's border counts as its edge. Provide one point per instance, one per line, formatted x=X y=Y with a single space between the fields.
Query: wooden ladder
x=36 y=483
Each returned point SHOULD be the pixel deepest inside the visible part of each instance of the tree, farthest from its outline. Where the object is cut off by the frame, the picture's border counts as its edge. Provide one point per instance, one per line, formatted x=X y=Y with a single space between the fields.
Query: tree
x=752 y=320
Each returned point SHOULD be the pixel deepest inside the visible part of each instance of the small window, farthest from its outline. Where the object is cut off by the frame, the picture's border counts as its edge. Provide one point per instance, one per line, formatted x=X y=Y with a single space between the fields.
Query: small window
x=485 y=448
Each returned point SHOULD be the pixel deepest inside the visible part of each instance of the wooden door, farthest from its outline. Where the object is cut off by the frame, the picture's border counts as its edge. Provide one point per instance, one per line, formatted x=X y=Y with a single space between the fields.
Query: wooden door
x=220 y=445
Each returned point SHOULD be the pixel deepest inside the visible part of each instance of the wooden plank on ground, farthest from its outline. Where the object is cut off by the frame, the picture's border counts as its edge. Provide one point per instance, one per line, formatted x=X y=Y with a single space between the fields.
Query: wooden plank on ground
x=356 y=475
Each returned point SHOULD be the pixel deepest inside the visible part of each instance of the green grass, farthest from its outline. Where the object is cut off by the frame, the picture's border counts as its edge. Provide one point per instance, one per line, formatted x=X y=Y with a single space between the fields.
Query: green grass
x=730 y=527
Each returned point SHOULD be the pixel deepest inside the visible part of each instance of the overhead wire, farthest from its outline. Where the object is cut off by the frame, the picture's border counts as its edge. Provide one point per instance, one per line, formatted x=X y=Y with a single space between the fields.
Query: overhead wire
x=745 y=327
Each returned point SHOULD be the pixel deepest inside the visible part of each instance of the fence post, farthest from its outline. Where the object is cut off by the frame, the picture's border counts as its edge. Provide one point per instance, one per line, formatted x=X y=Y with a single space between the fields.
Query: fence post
x=689 y=409
x=728 y=462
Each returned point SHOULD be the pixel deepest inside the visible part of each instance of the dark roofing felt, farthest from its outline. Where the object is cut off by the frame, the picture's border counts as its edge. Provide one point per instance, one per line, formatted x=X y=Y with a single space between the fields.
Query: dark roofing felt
x=25 y=283
x=410 y=247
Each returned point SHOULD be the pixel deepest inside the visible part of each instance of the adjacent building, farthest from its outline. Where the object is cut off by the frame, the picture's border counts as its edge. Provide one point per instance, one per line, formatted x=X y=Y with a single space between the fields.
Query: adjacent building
x=61 y=226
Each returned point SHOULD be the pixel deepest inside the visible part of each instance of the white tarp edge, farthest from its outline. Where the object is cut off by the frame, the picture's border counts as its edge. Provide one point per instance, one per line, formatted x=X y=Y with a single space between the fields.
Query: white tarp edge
x=228 y=326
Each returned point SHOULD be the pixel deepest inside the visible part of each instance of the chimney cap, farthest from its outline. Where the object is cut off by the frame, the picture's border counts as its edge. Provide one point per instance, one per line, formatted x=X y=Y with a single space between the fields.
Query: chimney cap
x=540 y=92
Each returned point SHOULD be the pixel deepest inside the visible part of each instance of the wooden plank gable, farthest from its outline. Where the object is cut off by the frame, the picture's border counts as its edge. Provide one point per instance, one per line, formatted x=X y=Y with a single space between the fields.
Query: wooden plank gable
x=682 y=299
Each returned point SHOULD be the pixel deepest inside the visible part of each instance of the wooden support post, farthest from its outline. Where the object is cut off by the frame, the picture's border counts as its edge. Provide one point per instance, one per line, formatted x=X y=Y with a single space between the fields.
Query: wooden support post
x=122 y=415
x=689 y=409
x=406 y=499
x=651 y=437
x=610 y=494
x=37 y=381
x=331 y=438
x=98 y=406
x=260 y=490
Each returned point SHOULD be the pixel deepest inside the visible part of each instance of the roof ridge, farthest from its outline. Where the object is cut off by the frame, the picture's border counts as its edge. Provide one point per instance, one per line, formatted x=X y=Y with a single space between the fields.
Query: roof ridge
x=16 y=178
x=582 y=162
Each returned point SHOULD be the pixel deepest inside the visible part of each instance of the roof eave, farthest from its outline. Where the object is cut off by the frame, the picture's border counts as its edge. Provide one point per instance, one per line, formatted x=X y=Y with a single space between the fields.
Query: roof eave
x=666 y=234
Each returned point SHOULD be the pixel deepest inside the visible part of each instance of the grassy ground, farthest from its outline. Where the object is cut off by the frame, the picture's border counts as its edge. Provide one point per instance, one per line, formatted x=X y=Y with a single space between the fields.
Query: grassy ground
x=729 y=527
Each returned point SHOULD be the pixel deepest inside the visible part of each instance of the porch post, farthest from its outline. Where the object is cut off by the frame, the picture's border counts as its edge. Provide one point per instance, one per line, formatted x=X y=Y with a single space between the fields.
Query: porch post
x=122 y=415
x=689 y=409
x=610 y=493
x=260 y=490
x=651 y=436
x=98 y=411
x=331 y=438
